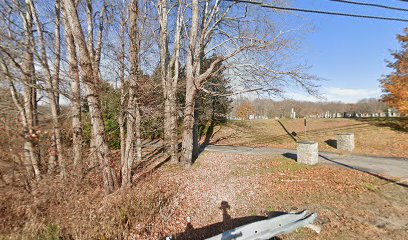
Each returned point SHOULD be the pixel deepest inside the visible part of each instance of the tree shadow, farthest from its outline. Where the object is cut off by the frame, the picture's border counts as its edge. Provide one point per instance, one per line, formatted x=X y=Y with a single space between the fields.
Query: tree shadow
x=191 y=233
x=365 y=171
x=332 y=143
x=286 y=130
x=141 y=172
x=396 y=123
x=266 y=138
x=209 y=137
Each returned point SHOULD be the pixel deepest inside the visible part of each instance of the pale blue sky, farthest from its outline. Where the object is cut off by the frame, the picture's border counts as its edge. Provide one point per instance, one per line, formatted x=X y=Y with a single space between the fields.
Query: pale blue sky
x=349 y=53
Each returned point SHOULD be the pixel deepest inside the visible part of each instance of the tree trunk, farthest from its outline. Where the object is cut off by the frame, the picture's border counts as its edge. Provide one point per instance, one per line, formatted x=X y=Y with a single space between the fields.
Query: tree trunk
x=133 y=121
x=196 y=144
x=169 y=71
x=172 y=118
x=122 y=113
x=188 y=124
x=31 y=152
x=138 y=126
x=76 y=113
x=28 y=148
x=98 y=128
x=51 y=92
x=55 y=84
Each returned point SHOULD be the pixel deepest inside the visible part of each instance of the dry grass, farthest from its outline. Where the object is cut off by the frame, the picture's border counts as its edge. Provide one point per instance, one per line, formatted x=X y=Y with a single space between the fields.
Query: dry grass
x=219 y=192
x=222 y=191
x=381 y=137
x=72 y=210
x=228 y=190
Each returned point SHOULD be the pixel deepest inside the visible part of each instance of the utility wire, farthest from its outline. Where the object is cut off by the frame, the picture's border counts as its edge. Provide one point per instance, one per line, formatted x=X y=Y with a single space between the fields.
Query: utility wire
x=261 y=4
x=371 y=5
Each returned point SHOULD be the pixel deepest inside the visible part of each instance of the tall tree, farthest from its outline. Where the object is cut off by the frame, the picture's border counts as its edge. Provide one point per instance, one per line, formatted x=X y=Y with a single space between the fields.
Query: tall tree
x=395 y=84
x=88 y=75
x=248 y=47
x=169 y=72
x=76 y=112
x=54 y=105
x=132 y=141
x=17 y=58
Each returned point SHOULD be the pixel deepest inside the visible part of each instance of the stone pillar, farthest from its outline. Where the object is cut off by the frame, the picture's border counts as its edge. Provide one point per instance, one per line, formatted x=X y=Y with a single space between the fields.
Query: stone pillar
x=307 y=152
x=345 y=141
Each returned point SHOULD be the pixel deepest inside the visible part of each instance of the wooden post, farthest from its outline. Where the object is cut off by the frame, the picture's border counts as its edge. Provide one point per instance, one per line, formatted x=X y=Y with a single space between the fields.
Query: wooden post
x=305 y=125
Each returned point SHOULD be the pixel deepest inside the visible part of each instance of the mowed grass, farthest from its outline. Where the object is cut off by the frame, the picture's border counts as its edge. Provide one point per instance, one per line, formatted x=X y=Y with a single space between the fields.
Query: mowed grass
x=373 y=136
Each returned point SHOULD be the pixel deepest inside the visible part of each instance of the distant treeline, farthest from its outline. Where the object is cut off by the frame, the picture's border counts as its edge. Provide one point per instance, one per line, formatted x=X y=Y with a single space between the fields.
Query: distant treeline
x=282 y=109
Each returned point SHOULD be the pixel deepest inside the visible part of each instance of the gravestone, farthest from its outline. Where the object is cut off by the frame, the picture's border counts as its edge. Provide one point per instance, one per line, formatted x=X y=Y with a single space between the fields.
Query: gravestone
x=307 y=152
x=345 y=141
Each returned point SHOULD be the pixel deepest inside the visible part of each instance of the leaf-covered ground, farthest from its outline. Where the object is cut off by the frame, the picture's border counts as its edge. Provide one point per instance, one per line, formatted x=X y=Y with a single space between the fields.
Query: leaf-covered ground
x=373 y=136
x=219 y=192
x=223 y=191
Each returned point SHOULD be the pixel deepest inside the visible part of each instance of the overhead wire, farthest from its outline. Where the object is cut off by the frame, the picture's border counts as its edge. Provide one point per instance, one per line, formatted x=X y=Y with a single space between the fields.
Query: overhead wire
x=370 y=5
x=261 y=4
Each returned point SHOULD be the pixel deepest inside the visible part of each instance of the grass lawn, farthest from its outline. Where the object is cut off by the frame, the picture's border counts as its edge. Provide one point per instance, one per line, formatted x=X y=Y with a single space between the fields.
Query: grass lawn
x=373 y=136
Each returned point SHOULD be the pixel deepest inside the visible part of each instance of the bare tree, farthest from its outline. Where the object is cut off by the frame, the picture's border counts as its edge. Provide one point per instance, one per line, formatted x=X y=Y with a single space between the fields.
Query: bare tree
x=132 y=141
x=76 y=113
x=169 y=73
x=92 y=95
x=50 y=85
x=18 y=50
x=247 y=48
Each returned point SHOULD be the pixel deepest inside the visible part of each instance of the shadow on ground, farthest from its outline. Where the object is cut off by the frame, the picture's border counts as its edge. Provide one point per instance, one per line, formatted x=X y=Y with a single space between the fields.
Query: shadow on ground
x=332 y=143
x=191 y=233
x=395 y=123
x=294 y=157
x=290 y=156
x=266 y=138
x=365 y=171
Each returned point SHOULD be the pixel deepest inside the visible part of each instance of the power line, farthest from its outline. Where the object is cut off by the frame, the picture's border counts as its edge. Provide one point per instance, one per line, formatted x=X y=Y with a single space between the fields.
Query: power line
x=261 y=4
x=371 y=5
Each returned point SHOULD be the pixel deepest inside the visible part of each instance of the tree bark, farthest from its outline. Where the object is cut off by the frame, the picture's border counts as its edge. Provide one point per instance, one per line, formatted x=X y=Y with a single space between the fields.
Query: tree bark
x=132 y=142
x=191 y=90
x=31 y=151
x=51 y=94
x=98 y=128
x=196 y=143
x=122 y=113
x=169 y=71
x=188 y=124
x=76 y=113
x=55 y=83
x=27 y=145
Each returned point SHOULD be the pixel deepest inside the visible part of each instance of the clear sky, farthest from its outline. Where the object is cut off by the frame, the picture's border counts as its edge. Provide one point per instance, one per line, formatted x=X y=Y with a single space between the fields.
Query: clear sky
x=349 y=53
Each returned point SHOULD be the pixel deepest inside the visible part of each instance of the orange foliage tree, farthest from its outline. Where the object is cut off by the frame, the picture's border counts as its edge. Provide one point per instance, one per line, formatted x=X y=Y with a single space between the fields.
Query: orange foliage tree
x=244 y=110
x=395 y=84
